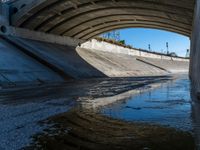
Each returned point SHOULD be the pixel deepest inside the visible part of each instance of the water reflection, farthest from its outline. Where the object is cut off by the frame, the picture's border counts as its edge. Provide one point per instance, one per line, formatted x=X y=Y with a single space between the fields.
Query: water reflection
x=95 y=126
x=168 y=105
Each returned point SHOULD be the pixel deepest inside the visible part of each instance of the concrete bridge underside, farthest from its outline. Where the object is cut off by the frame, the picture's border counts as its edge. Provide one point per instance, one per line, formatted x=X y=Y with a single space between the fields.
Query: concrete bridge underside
x=85 y=19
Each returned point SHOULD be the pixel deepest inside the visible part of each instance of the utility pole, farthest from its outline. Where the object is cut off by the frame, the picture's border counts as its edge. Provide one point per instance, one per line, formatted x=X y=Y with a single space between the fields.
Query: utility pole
x=167 y=46
x=149 y=47
x=187 y=53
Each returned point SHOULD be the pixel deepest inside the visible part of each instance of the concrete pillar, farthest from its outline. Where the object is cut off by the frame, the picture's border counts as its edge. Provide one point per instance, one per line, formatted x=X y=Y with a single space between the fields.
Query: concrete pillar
x=195 y=71
x=4 y=14
x=195 y=51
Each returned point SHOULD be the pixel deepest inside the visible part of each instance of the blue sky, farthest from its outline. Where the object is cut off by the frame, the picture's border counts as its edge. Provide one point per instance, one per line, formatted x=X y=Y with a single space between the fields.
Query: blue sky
x=140 y=38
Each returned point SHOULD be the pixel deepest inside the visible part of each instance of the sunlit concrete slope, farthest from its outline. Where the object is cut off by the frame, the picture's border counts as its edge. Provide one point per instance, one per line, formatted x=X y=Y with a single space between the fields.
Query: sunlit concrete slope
x=172 y=66
x=118 y=65
x=115 y=60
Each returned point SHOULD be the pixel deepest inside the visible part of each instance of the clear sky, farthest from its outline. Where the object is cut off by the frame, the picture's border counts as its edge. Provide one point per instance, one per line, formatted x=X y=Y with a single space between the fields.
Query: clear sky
x=141 y=38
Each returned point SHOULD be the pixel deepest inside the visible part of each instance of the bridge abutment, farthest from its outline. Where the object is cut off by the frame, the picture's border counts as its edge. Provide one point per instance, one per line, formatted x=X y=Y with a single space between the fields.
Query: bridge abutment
x=195 y=51
x=4 y=14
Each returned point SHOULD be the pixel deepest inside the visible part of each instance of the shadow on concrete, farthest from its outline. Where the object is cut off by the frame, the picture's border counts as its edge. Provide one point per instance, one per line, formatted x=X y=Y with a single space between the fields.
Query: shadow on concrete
x=55 y=59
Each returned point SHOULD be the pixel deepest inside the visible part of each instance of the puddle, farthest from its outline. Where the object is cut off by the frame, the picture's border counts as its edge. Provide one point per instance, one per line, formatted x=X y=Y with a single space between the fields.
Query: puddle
x=169 y=105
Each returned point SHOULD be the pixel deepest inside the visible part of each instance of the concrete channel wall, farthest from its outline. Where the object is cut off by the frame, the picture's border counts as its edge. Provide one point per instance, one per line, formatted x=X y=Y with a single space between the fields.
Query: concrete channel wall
x=25 y=60
x=19 y=68
x=108 y=47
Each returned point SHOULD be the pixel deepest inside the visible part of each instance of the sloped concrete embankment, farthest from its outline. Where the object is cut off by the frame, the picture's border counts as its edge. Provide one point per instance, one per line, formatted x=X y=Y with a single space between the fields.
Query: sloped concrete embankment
x=29 y=61
x=131 y=62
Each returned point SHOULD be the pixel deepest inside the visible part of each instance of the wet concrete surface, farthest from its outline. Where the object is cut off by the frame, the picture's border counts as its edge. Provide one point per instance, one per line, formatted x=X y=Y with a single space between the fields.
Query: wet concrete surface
x=72 y=116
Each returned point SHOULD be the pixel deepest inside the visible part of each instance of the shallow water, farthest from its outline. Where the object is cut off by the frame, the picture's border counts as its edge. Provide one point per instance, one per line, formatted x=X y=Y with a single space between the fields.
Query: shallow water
x=168 y=105
x=83 y=127
x=67 y=116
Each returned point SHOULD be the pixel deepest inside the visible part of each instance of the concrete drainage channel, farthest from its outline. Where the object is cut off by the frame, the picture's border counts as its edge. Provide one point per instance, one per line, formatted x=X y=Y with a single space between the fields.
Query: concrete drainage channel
x=35 y=111
x=46 y=83
x=95 y=77
x=37 y=58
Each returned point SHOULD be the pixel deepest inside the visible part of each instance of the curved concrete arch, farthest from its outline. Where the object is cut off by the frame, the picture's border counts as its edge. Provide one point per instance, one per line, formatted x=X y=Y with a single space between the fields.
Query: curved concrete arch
x=60 y=27
x=52 y=4
x=66 y=16
x=132 y=12
x=138 y=24
x=94 y=24
x=101 y=12
x=131 y=25
x=50 y=13
x=77 y=18
x=29 y=10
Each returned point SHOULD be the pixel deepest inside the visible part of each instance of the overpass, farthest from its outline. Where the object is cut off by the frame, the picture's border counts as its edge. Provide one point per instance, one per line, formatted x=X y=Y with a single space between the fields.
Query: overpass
x=71 y=22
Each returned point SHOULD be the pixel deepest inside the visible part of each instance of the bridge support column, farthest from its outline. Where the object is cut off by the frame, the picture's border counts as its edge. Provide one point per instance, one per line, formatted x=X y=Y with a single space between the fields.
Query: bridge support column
x=4 y=14
x=195 y=52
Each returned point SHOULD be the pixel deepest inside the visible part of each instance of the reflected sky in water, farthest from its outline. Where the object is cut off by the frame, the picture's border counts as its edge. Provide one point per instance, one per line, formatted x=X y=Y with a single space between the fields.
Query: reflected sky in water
x=168 y=105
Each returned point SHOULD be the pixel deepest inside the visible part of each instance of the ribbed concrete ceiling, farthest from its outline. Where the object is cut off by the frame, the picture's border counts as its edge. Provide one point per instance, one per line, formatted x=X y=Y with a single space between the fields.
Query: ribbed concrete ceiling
x=85 y=19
